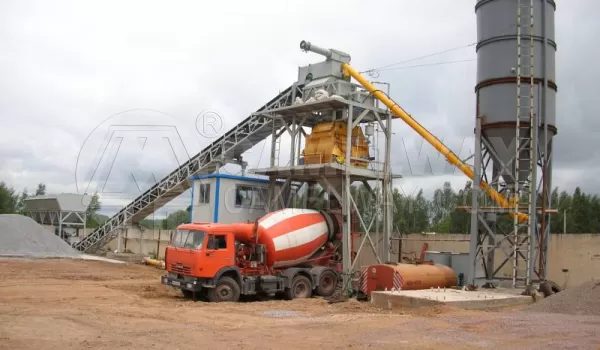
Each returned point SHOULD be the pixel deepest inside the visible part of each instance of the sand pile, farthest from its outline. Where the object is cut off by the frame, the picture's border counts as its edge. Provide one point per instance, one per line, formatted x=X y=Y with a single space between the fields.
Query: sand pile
x=22 y=236
x=581 y=300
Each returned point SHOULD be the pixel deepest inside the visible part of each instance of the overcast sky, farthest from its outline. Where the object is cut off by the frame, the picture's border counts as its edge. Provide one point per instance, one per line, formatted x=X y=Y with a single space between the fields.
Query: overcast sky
x=66 y=68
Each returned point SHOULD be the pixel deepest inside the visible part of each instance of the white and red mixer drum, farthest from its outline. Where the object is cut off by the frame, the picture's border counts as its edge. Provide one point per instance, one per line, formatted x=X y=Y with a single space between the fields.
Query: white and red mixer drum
x=292 y=235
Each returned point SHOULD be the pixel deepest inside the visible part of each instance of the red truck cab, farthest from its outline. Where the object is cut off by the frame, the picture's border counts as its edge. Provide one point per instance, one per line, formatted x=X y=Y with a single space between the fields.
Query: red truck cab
x=205 y=260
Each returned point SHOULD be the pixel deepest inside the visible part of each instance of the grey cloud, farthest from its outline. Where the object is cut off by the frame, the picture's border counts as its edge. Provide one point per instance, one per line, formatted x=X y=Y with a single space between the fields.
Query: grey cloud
x=67 y=66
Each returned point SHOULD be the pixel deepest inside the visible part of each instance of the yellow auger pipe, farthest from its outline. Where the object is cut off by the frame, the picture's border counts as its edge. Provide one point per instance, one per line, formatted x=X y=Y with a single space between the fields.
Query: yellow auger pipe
x=437 y=144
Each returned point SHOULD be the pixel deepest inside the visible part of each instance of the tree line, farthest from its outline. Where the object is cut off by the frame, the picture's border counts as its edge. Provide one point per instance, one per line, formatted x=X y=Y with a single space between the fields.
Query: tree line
x=412 y=213
x=13 y=202
x=447 y=211
x=578 y=212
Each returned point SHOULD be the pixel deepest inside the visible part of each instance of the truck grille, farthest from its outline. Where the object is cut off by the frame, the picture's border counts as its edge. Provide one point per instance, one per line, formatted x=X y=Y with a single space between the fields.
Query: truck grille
x=180 y=268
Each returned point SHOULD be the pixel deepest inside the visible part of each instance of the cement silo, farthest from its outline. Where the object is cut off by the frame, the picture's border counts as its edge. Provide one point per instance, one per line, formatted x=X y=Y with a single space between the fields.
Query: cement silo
x=516 y=105
x=497 y=75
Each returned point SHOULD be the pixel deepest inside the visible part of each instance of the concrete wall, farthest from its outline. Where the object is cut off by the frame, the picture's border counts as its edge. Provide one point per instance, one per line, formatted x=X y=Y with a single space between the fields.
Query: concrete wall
x=146 y=242
x=579 y=253
x=138 y=242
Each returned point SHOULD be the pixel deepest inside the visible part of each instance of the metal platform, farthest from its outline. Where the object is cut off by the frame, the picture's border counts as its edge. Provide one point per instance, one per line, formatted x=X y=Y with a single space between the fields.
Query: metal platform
x=316 y=112
x=311 y=171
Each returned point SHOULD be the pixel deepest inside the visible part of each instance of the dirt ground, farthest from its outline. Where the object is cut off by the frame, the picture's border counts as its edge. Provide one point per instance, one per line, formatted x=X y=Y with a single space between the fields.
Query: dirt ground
x=69 y=304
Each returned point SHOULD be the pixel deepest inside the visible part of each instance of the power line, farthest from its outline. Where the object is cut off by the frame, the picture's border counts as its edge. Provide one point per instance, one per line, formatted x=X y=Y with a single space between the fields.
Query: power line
x=373 y=71
x=419 y=58
x=428 y=64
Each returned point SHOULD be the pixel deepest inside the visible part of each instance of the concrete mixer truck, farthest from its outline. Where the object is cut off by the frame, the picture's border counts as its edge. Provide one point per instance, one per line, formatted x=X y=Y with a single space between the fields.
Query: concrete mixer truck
x=291 y=252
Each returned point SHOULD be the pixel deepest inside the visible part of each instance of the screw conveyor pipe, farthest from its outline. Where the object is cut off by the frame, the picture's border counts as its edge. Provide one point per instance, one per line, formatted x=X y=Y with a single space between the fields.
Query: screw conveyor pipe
x=437 y=144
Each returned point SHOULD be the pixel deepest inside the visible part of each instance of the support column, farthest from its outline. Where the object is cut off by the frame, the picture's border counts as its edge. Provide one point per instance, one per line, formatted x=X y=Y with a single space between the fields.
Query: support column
x=119 y=239
x=533 y=223
x=475 y=205
x=546 y=242
x=272 y=181
x=60 y=220
x=293 y=132
x=387 y=189
x=346 y=205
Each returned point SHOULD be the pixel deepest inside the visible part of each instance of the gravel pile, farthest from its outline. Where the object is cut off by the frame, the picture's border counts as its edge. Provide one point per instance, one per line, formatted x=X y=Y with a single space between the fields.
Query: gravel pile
x=22 y=236
x=581 y=300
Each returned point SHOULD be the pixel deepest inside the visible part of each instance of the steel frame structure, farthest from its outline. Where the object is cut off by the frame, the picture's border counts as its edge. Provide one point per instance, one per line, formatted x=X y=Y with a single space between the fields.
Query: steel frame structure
x=527 y=243
x=60 y=219
x=490 y=242
x=335 y=179
x=228 y=148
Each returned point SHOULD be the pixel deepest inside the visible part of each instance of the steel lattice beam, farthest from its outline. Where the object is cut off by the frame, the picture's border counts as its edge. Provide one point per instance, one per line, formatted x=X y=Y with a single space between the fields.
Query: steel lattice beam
x=230 y=146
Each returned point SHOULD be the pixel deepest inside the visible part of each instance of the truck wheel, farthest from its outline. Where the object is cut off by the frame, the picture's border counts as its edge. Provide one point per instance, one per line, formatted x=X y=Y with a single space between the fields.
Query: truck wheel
x=301 y=288
x=327 y=282
x=226 y=290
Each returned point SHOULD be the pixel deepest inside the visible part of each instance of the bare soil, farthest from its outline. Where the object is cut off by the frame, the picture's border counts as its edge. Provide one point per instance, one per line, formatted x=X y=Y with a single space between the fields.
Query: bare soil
x=75 y=304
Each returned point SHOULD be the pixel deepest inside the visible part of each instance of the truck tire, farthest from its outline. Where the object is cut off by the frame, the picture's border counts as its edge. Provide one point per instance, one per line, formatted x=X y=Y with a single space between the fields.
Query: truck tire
x=327 y=282
x=301 y=288
x=226 y=290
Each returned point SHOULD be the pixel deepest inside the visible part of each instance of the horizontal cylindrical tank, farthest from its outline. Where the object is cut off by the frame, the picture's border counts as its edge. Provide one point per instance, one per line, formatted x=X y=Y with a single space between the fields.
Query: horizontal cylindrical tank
x=406 y=277
x=292 y=235
x=496 y=87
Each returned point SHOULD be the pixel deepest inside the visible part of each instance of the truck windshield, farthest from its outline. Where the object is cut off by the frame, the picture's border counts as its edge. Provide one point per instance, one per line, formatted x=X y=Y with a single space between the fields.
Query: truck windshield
x=190 y=239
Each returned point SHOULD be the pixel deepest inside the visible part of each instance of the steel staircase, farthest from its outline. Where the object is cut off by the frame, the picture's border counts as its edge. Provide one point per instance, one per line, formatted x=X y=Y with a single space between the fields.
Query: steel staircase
x=227 y=148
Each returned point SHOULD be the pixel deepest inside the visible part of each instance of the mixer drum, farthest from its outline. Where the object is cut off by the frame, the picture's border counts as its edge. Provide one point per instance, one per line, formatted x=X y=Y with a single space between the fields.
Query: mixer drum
x=292 y=235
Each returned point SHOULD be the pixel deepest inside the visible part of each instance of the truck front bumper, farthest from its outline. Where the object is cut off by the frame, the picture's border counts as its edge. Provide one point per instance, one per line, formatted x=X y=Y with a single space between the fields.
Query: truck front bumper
x=193 y=286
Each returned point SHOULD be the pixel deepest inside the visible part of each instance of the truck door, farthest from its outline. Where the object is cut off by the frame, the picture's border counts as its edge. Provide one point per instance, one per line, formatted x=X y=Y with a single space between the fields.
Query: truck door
x=219 y=253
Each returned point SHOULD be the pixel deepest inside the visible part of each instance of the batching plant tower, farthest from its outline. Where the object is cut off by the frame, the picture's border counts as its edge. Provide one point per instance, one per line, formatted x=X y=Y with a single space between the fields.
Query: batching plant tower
x=515 y=125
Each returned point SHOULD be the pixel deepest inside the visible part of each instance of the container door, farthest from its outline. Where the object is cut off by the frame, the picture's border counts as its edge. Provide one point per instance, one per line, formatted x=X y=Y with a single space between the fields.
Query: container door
x=219 y=254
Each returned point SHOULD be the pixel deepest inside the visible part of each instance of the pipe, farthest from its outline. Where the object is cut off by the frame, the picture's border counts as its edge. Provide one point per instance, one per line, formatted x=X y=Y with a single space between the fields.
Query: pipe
x=154 y=262
x=428 y=240
x=437 y=144
x=307 y=46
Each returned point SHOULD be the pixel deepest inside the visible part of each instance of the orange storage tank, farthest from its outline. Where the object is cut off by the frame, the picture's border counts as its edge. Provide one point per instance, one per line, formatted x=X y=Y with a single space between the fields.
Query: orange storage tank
x=406 y=277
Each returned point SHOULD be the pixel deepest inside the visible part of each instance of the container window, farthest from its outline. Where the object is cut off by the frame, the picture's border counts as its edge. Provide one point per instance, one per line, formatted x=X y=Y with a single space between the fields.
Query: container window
x=204 y=194
x=250 y=196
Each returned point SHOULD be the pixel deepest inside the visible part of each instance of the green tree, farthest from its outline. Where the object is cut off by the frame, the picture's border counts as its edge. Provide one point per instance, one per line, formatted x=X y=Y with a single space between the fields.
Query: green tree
x=20 y=203
x=8 y=199
x=175 y=219
x=441 y=208
x=91 y=213
x=41 y=189
x=578 y=209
